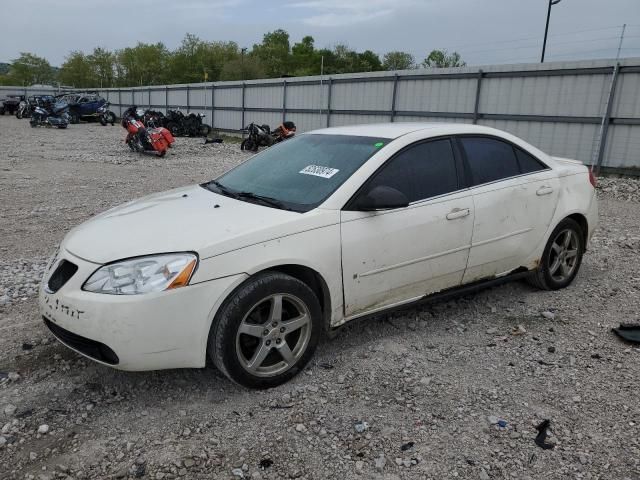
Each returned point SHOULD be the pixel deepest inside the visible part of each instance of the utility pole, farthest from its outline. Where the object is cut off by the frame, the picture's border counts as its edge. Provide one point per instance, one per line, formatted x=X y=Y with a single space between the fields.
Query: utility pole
x=546 y=28
x=624 y=27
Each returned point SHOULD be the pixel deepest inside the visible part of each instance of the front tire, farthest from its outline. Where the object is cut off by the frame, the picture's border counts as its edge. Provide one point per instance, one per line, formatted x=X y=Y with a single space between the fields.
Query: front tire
x=266 y=332
x=562 y=257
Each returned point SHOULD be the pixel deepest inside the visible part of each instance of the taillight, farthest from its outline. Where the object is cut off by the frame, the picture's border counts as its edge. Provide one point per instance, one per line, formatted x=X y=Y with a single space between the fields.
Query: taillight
x=592 y=178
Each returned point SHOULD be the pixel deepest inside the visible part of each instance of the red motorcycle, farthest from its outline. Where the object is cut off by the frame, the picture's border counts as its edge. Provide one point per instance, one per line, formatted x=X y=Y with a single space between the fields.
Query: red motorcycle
x=142 y=139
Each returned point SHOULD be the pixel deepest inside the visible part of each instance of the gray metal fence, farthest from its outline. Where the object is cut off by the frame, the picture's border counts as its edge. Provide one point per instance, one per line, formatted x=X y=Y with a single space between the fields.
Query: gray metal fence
x=589 y=110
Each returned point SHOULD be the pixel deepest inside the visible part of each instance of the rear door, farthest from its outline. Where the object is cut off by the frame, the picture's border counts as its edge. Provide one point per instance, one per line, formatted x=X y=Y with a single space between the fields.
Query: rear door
x=515 y=196
x=395 y=256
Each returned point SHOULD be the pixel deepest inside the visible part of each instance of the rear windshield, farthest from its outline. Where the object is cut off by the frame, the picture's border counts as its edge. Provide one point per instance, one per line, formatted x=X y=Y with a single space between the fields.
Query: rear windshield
x=302 y=172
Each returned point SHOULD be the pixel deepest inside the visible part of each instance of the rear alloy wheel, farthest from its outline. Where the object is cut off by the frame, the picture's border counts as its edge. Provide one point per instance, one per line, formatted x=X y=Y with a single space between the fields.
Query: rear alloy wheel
x=561 y=258
x=267 y=331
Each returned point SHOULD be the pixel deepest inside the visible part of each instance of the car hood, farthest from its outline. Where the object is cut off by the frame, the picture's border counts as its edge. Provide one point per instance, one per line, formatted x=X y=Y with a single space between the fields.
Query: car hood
x=185 y=219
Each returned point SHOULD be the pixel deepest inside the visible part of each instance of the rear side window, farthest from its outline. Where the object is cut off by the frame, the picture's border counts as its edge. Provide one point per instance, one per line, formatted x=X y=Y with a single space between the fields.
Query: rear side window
x=421 y=171
x=528 y=163
x=489 y=159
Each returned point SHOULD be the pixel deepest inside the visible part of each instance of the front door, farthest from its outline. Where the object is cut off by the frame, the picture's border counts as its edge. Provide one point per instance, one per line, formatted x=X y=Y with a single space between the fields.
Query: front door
x=394 y=256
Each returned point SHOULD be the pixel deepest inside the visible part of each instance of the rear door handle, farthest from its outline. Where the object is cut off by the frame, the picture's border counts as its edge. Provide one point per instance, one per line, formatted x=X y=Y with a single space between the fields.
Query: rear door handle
x=544 y=191
x=457 y=213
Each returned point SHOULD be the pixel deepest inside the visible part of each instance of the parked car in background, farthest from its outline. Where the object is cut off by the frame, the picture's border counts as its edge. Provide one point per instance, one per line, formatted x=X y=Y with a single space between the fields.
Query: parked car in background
x=10 y=104
x=249 y=269
x=85 y=107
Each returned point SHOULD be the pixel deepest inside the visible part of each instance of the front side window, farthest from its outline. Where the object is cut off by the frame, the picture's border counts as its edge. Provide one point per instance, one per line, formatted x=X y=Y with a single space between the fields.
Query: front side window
x=489 y=159
x=420 y=171
x=299 y=173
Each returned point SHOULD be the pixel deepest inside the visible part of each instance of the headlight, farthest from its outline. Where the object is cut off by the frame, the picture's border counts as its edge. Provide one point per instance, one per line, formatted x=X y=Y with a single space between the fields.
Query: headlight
x=143 y=274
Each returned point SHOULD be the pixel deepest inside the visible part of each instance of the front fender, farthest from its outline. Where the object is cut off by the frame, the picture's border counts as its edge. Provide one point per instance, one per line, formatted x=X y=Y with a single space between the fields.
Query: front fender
x=317 y=249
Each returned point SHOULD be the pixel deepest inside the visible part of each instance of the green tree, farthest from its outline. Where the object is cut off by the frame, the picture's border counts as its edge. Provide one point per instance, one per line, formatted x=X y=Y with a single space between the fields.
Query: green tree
x=197 y=61
x=398 y=61
x=274 y=53
x=247 y=68
x=29 y=69
x=369 y=61
x=77 y=71
x=102 y=63
x=443 y=59
x=143 y=64
x=304 y=58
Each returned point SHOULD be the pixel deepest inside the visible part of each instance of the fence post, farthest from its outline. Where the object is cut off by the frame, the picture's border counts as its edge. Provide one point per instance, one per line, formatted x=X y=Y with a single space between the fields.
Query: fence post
x=393 y=96
x=242 y=122
x=284 y=99
x=166 y=99
x=329 y=102
x=476 y=115
x=188 y=99
x=213 y=104
x=606 y=118
x=120 y=100
x=149 y=97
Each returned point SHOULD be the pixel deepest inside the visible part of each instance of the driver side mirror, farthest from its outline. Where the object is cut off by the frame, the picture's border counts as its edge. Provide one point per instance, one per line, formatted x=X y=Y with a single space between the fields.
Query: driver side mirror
x=382 y=197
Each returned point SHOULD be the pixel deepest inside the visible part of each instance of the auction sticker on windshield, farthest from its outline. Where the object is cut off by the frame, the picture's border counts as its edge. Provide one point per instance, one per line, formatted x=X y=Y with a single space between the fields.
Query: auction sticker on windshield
x=319 y=171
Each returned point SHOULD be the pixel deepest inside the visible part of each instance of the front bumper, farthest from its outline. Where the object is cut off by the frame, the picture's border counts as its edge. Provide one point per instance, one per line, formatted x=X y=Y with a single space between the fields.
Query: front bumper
x=133 y=332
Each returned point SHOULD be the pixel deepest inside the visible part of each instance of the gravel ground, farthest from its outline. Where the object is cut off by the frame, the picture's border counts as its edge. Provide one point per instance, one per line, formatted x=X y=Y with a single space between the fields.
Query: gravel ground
x=453 y=389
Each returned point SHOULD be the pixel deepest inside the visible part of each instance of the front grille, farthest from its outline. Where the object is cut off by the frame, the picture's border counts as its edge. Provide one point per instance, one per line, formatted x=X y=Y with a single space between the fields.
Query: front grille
x=91 y=348
x=61 y=275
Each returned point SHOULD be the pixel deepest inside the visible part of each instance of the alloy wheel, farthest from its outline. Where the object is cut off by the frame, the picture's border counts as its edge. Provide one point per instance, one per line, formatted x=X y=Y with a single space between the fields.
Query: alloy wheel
x=563 y=255
x=274 y=335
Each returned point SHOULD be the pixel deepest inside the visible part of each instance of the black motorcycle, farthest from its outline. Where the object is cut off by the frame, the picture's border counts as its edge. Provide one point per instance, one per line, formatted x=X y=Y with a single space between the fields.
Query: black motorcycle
x=51 y=114
x=263 y=136
x=105 y=115
x=180 y=124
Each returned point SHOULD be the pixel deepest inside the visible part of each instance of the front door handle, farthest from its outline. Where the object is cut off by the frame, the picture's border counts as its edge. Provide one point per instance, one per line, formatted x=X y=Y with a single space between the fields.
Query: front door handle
x=457 y=213
x=544 y=191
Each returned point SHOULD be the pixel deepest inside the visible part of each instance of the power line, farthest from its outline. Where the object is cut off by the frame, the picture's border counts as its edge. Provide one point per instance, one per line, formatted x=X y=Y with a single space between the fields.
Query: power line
x=538 y=37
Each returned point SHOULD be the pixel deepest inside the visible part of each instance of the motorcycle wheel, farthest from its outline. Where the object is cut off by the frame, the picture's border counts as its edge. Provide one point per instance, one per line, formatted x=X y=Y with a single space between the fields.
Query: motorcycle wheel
x=246 y=144
x=19 y=114
x=173 y=128
x=162 y=153
x=64 y=125
x=103 y=120
x=74 y=118
x=205 y=129
x=111 y=118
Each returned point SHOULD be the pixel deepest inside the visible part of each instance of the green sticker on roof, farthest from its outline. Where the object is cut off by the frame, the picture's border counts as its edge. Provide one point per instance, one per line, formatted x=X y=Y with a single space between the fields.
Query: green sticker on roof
x=378 y=145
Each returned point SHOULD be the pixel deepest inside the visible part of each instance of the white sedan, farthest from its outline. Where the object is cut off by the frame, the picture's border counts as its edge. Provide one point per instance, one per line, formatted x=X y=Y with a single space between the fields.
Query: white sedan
x=251 y=268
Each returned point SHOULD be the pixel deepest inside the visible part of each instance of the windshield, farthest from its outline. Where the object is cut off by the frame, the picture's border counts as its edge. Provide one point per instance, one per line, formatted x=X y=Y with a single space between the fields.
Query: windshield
x=300 y=173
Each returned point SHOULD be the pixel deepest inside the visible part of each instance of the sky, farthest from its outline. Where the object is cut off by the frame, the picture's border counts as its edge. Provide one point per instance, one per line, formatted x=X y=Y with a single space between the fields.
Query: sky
x=483 y=31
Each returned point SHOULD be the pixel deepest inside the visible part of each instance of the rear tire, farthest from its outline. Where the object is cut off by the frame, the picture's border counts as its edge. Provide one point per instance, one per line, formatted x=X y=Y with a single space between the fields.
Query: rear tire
x=205 y=129
x=74 y=118
x=561 y=258
x=173 y=128
x=266 y=331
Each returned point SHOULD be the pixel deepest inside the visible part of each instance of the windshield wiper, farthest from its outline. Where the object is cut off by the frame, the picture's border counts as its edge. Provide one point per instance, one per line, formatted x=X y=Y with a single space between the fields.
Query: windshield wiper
x=224 y=190
x=261 y=198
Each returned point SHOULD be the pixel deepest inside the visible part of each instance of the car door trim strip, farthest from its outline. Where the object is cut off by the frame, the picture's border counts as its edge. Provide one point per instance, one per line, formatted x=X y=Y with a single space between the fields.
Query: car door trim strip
x=441 y=254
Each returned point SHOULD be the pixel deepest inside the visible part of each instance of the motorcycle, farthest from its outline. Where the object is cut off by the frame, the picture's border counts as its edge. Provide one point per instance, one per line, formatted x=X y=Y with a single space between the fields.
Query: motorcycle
x=180 y=124
x=142 y=139
x=262 y=136
x=52 y=114
x=105 y=115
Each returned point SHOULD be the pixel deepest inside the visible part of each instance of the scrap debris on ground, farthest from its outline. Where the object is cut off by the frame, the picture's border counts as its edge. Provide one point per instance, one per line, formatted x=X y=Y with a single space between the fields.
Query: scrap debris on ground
x=450 y=390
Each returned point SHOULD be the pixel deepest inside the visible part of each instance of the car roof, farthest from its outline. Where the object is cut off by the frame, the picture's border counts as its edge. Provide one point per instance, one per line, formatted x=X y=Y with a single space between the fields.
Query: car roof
x=398 y=129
